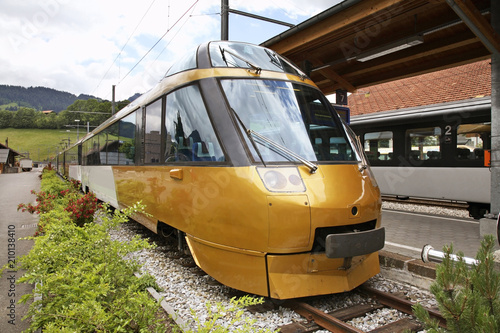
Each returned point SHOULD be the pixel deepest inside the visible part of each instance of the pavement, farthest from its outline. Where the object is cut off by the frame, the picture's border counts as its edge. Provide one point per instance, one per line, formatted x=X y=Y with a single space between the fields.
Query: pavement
x=15 y=188
x=407 y=233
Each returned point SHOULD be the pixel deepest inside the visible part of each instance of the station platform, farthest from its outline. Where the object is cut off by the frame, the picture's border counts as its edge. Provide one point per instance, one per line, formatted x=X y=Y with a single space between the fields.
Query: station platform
x=15 y=225
x=407 y=233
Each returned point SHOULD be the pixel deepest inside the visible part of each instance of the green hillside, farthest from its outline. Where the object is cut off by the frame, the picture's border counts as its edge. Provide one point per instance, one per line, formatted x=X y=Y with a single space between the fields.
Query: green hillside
x=9 y=106
x=38 y=98
x=39 y=143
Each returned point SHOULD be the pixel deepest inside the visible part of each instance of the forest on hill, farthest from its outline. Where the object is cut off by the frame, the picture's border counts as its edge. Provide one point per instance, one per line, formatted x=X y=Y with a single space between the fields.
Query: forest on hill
x=37 y=98
x=79 y=113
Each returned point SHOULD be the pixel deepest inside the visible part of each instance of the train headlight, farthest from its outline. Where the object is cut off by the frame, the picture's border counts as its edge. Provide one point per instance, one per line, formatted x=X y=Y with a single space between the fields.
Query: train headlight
x=284 y=179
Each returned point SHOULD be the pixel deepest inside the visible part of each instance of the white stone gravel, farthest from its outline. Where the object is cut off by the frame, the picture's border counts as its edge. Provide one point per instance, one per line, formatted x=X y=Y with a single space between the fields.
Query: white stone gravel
x=187 y=291
x=434 y=210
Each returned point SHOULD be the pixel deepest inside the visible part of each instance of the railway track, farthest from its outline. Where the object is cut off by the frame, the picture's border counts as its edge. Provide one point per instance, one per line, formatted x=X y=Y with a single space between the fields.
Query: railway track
x=426 y=202
x=336 y=321
x=187 y=288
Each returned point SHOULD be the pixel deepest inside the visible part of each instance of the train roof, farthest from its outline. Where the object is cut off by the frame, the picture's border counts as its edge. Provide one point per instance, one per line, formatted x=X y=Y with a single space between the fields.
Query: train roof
x=211 y=55
x=476 y=106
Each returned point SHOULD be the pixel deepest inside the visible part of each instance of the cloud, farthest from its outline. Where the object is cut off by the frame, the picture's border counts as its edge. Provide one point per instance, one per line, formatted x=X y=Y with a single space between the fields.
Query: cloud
x=71 y=45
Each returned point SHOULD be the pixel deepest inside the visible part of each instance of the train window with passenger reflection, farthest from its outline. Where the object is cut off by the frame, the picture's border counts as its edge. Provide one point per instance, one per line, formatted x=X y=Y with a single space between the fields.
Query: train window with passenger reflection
x=424 y=143
x=189 y=132
x=379 y=146
x=472 y=140
x=282 y=114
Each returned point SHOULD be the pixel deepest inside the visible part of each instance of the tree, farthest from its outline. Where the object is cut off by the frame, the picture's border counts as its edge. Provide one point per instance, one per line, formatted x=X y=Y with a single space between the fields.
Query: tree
x=23 y=118
x=46 y=120
x=94 y=112
x=6 y=118
x=469 y=299
x=65 y=118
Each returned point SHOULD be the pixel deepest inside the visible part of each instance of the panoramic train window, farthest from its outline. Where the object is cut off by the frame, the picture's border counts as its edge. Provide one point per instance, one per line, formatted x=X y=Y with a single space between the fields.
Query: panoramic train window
x=91 y=151
x=472 y=139
x=188 y=61
x=109 y=150
x=424 y=143
x=152 y=133
x=70 y=158
x=379 y=146
x=189 y=132
x=103 y=136
x=292 y=116
x=126 y=146
x=85 y=149
x=227 y=54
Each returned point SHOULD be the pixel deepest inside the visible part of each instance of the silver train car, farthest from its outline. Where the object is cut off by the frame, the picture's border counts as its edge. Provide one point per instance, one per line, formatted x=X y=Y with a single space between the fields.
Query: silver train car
x=439 y=151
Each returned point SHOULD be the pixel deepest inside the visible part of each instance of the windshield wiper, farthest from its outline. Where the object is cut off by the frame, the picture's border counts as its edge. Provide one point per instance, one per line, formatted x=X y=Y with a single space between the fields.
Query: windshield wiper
x=282 y=150
x=274 y=59
x=249 y=136
x=256 y=68
x=274 y=146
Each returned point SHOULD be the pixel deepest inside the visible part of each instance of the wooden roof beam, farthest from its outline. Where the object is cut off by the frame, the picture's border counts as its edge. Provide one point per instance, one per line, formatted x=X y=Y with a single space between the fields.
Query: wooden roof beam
x=319 y=30
x=333 y=76
x=466 y=10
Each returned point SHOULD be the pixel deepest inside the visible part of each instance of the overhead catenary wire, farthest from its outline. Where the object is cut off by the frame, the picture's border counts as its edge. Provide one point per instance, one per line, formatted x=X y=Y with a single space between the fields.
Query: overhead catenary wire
x=158 y=41
x=173 y=37
x=123 y=47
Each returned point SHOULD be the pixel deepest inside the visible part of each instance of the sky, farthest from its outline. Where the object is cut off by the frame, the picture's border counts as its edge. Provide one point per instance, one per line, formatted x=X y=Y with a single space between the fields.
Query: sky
x=85 y=47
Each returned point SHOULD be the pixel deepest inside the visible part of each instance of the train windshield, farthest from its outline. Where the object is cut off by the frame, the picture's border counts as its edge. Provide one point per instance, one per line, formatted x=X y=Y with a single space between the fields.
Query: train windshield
x=229 y=54
x=287 y=115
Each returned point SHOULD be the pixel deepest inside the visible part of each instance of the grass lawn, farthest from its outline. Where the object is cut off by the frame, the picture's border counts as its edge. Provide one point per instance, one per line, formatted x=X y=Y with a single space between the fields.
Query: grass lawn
x=5 y=106
x=39 y=143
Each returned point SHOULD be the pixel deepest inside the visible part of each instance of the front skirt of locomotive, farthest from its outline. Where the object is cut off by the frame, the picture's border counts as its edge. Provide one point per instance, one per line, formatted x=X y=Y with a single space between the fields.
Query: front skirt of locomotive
x=285 y=276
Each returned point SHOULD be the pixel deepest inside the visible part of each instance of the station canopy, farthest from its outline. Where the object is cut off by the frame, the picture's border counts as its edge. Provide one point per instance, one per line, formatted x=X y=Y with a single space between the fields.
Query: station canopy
x=361 y=43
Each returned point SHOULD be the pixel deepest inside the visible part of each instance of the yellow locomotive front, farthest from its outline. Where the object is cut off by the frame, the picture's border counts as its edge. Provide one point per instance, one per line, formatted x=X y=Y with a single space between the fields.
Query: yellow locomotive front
x=238 y=152
x=303 y=216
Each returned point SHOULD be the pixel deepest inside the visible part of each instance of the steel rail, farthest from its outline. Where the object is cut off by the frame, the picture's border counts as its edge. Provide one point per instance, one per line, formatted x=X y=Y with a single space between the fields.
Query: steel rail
x=322 y=319
x=399 y=303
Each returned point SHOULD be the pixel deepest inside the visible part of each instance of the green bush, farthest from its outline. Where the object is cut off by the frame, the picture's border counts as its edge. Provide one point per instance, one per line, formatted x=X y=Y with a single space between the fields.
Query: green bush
x=469 y=299
x=84 y=281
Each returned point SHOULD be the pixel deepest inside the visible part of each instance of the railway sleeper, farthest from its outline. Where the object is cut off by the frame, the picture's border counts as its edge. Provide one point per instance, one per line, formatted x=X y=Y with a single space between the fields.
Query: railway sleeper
x=341 y=314
x=399 y=326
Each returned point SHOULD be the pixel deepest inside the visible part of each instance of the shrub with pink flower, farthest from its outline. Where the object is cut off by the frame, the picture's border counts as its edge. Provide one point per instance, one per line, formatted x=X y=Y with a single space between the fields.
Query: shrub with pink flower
x=44 y=203
x=82 y=208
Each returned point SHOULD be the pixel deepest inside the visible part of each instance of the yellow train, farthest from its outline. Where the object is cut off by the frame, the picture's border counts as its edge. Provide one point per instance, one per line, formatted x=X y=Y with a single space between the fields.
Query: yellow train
x=238 y=153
